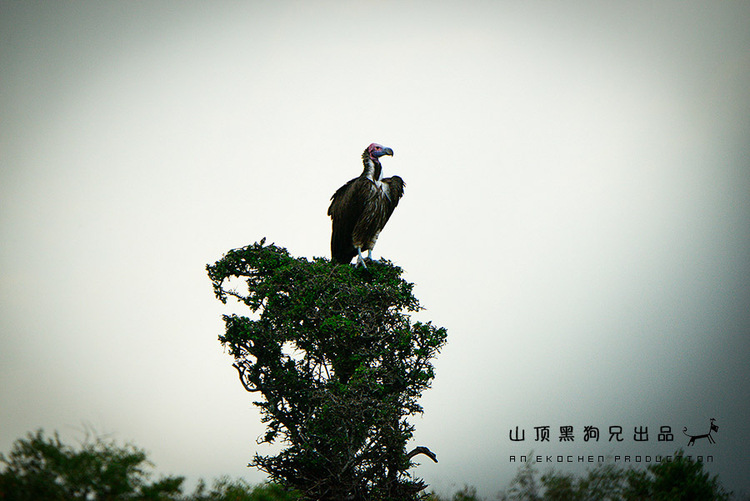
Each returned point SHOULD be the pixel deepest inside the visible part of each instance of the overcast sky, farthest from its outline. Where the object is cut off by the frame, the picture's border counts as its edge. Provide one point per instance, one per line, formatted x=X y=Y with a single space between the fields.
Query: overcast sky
x=576 y=214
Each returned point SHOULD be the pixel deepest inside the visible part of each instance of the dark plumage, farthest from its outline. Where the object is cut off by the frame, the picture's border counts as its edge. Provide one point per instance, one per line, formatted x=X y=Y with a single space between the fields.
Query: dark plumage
x=361 y=207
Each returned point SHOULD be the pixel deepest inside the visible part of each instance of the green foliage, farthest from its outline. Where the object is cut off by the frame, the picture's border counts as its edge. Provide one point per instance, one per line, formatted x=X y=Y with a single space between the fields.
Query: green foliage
x=524 y=485
x=679 y=479
x=466 y=494
x=682 y=478
x=605 y=482
x=39 y=467
x=226 y=489
x=43 y=468
x=338 y=364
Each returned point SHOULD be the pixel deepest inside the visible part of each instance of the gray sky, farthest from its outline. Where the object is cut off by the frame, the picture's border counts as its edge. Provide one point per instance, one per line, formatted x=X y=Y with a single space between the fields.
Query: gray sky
x=576 y=214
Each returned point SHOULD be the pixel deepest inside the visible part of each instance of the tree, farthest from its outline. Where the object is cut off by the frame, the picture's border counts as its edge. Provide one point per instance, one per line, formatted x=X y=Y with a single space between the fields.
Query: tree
x=39 y=467
x=338 y=365
x=524 y=485
x=680 y=478
x=604 y=482
x=226 y=489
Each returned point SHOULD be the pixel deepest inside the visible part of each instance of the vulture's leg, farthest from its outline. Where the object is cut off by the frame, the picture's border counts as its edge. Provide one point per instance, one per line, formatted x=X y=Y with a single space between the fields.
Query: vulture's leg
x=360 y=259
x=369 y=256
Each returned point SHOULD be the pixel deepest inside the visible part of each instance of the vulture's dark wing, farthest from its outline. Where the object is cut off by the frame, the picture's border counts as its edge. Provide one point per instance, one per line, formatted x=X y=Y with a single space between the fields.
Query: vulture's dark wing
x=395 y=192
x=345 y=210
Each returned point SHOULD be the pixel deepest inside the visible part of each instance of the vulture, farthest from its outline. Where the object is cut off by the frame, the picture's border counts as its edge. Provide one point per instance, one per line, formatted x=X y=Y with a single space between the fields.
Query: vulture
x=360 y=208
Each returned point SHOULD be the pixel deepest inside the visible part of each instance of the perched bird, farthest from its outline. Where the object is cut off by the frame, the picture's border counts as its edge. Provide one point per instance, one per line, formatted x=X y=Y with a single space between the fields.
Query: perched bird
x=361 y=207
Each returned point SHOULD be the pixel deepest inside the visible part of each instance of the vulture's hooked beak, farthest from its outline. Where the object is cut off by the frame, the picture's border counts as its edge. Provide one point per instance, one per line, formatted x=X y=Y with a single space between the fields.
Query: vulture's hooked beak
x=387 y=151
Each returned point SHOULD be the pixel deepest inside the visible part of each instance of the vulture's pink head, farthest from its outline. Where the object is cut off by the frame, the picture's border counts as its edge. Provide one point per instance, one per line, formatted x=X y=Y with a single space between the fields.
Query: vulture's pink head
x=376 y=150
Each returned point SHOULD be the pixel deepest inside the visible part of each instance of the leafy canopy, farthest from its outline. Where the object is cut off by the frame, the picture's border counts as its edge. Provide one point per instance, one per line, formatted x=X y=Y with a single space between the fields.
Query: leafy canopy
x=337 y=364
x=41 y=467
x=679 y=478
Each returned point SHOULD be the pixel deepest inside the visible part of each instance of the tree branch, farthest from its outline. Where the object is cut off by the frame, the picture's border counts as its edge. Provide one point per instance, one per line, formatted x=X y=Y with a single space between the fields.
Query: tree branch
x=422 y=450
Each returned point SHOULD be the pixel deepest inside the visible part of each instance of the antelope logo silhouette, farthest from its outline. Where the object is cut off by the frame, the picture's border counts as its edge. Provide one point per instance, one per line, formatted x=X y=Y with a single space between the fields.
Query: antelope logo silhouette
x=713 y=428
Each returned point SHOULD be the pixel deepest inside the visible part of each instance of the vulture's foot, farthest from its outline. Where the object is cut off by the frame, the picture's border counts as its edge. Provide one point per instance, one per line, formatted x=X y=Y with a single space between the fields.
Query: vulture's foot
x=370 y=258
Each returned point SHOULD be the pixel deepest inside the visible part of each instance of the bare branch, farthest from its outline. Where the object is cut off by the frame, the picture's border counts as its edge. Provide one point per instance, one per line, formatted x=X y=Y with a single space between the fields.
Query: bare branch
x=422 y=450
